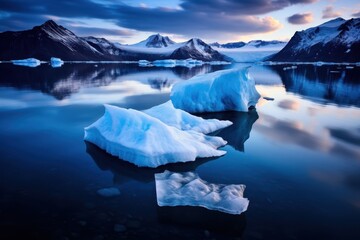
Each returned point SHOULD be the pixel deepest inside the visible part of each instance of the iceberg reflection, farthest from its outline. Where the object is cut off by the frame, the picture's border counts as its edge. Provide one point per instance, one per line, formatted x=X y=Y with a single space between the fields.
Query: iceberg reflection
x=237 y=133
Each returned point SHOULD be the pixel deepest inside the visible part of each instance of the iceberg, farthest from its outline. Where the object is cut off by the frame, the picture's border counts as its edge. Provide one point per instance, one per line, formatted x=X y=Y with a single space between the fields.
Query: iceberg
x=188 y=189
x=145 y=141
x=227 y=90
x=56 y=62
x=183 y=120
x=29 y=62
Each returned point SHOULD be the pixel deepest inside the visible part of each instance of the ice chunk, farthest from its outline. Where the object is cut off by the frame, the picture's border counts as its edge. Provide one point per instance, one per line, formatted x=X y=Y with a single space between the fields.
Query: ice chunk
x=146 y=141
x=188 y=189
x=144 y=63
x=56 y=62
x=29 y=62
x=183 y=120
x=108 y=192
x=214 y=92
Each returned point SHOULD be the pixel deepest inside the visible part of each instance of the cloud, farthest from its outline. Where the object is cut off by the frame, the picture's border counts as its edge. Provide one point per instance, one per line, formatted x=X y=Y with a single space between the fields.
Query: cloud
x=356 y=14
x=299 y=18
x=246 y=7
x=202 y=18
x=328 y=12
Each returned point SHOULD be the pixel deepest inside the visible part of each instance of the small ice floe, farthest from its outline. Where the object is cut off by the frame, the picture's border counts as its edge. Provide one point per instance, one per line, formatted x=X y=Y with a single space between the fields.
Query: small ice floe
x=56 y=62
x=188 y=189
x=144 y=63
x=146 y=141
x=334 y=71
x=108 y=192
x=349 y=67
x=227 y=90
x=269 y=98
x=29 y=62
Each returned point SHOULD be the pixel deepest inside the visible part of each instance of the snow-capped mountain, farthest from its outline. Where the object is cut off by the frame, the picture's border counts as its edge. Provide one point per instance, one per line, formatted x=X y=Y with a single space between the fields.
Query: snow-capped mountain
x=228 y=45
x=252 y=51
x=337 y=40
x=197 y=49
x=45 y=41
x=104 y=46
x=252 y=44
x=155 y=41
x=194 y=48
x=52 y=40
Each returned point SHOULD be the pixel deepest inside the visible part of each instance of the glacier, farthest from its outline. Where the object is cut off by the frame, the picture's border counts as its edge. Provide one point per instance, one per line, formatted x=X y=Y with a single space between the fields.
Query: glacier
x=182 y=120
x=226 y=90
x=188 y=189
x=56 y=62
x=145 y=141
x=29 y=62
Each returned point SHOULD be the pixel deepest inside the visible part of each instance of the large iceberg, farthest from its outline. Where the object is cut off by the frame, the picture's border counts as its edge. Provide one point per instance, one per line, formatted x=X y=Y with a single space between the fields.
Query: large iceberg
x=146 y=141
x=56 y=62
x=227 y=90
x=188 y=189
x=29 y=62
x=183 y=120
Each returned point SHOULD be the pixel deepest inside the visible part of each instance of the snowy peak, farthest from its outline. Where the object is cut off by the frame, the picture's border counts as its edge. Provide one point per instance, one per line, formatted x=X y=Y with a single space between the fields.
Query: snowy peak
x=156 y=41
x=53 y=29
x=337 y=40
x=197 y=49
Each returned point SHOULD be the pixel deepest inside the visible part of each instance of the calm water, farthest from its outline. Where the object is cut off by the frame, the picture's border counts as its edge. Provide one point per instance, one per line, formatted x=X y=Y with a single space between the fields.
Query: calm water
x=298 y=155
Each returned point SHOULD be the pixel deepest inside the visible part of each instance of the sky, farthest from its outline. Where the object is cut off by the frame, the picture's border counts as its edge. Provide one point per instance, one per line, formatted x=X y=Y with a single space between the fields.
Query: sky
x=130 y=21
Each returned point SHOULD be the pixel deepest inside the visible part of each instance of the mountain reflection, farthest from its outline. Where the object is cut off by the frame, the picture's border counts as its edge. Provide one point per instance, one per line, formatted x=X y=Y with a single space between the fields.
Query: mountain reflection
x=70 y=78
x=324 y=84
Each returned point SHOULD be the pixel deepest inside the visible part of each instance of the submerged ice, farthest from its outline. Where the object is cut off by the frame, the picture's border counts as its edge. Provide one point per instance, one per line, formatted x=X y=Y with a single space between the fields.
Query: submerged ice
x=227 y=90
x=188 y=189
x=146 y=141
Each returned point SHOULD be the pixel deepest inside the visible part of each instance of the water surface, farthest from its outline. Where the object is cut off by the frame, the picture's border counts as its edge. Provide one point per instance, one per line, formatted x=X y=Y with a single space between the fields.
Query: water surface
x=298 y=155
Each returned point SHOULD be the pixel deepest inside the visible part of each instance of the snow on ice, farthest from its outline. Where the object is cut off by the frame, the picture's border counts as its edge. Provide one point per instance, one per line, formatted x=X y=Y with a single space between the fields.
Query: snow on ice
x=183 y=120
x=225 y=90
x=188 y=189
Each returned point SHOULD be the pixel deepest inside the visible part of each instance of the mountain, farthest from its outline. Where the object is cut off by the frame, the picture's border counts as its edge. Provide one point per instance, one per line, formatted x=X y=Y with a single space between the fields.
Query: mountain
x=337 y=40
x=155 y=41
x=45 y=41
x=228 y=45
x=103 y=46
x=253 y=44
x=263 y=44
x=52 y=40
x=197 y=49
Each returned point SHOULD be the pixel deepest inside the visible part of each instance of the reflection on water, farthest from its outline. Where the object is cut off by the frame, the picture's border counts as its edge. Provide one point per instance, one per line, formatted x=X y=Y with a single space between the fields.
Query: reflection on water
x=124 y=171
x=239 y=131
x=300 y=163
x=325 y=84
x=70 y=78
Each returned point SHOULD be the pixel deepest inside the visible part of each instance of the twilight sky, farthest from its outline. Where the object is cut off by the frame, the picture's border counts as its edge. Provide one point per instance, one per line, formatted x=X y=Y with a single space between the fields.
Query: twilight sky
x=130 y=21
